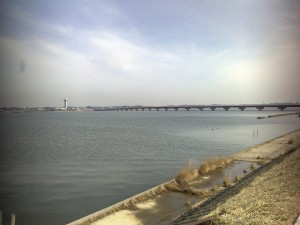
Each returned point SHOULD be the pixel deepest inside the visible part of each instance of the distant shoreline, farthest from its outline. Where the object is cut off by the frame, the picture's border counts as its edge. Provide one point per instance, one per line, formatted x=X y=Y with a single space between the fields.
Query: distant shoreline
x=278 y=115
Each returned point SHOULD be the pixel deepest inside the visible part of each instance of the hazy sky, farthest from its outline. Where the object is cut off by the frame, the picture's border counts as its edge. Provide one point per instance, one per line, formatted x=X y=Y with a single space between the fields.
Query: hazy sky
x=149 y=52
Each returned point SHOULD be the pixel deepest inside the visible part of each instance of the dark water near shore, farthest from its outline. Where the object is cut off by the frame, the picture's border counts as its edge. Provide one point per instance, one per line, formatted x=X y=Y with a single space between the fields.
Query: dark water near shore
x=59 y=166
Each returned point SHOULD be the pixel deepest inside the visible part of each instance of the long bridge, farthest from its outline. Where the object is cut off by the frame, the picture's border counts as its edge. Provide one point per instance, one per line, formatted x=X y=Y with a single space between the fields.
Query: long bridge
x=213 y=107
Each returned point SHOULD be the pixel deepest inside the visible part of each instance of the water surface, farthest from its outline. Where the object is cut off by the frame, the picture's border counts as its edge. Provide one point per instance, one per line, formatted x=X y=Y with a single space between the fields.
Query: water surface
x=56 y=167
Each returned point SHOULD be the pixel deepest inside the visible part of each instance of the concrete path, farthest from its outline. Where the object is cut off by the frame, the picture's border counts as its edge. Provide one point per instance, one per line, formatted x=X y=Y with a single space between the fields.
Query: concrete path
x=270 y=149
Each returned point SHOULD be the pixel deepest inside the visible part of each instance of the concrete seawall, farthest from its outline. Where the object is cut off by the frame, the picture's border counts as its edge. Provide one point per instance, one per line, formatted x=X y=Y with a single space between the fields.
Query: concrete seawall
x=148 y=194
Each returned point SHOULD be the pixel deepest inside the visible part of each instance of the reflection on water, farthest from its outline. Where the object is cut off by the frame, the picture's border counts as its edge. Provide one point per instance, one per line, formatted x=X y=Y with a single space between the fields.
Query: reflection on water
x=57 y=167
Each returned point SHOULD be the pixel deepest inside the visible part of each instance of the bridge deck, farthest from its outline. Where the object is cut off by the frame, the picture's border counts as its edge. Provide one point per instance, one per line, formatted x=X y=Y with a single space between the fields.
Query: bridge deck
x=241 y=107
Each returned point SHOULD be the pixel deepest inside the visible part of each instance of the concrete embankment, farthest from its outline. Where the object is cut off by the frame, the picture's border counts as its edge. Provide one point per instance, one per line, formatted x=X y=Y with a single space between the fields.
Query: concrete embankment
x=160 y=205
x=123 y=205
x=278 y=115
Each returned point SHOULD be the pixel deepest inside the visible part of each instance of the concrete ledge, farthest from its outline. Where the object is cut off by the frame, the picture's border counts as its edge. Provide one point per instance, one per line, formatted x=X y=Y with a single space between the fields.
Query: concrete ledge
x=123 y=204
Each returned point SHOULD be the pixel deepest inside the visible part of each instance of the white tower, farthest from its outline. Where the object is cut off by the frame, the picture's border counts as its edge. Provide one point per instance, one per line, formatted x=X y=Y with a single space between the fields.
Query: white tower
x=65 y=103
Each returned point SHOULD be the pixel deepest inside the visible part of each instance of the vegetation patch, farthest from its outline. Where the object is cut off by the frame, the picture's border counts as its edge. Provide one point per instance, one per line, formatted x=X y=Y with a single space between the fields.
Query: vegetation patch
x=291 y=141
x=186 y=175
x=189 y=174
x=271 y=198
x=227 y=182
x=213 y=164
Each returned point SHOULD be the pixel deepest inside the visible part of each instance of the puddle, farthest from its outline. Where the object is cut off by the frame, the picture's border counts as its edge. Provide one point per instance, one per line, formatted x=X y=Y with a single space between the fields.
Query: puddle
x=166 y=206
x=217 y=177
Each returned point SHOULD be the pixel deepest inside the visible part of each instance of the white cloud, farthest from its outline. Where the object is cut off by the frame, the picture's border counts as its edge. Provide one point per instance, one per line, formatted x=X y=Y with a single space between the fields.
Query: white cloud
x=110 y=64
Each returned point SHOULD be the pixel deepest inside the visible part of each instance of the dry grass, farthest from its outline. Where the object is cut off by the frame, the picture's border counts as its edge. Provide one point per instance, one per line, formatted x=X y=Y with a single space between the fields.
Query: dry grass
x=190 y=190
x=262 y=162
x=227 y=182
x=186 y=175
x=271 y=198
x=252 y=167
x=190 y=173
x=291 y=141
x=237 y=178
x=213 y=164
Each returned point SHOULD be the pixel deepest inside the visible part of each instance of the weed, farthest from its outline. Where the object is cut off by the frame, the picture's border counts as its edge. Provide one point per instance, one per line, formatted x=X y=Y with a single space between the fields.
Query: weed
x=291 y=141
x=252 y=167
x=213 y=164
x=186 y=175
x=236 y=178
x=188 y=204
x=227 y=182
x=168 y=216
x=262 y=161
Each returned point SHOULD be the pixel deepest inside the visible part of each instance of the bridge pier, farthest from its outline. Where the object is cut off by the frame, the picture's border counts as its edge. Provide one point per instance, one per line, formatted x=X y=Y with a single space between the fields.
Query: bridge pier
x=213 y=108
x=200 y=108
x=166 y=109
x=260 y=108
x=176 y=109
x=226 y=108
x=282 y=108
x=242 y=108
x=187 y=109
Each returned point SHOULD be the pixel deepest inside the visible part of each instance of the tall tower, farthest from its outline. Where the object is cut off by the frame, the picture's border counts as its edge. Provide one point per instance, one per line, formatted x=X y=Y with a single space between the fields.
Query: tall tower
x=65 y=103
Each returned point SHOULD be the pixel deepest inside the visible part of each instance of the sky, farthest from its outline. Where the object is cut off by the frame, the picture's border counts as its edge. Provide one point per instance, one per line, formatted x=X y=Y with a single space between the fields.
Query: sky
x=141 y=52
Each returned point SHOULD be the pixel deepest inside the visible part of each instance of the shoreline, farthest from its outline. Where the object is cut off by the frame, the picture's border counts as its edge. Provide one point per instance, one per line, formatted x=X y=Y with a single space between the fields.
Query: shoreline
x=149 y=199
x=215 y=207
x=268 y=196
x=278 y=115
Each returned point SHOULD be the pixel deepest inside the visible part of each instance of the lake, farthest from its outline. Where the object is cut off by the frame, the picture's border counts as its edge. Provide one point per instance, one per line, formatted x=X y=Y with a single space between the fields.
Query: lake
x=56 y=167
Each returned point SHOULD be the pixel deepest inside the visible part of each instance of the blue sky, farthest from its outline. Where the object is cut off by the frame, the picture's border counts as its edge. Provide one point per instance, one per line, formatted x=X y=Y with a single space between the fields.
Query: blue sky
x=167 y=52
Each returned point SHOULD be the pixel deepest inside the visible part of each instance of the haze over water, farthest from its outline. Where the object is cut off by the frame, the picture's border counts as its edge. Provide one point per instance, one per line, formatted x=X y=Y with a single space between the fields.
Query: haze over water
x=57 y=167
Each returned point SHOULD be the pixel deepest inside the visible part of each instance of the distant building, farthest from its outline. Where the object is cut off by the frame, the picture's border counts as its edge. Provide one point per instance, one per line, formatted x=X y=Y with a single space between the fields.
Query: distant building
x=66 y=103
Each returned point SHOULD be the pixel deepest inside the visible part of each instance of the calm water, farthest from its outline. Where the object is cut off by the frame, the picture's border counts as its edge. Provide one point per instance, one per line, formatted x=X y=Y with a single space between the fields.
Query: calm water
x=57 y=167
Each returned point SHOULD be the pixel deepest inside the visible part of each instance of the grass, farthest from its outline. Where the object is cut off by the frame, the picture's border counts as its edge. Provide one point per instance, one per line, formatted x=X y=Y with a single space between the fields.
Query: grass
x=213 y=164
x=188 y=204
x=227 y=182
x=271 y=198
x=190 y=190
x=262 y=162
x=291 y=141
x=237 y=178
x=186 y=175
